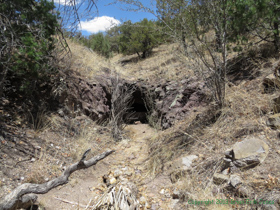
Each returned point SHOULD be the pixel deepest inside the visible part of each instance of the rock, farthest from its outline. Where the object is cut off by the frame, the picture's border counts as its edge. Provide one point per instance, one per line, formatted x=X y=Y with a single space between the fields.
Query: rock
x=187 y=161
x=128 y=172
x=235 y=180
x=243 y=192
x=173 y=204
x=226 y=171
x=155 y=206
x=174 y=100
x=123 y=179
x=158 y=90
x=229 y=153
x=219 y=179
x=132 y=187
x=84 y=96
x=248 y=153
x=132 y=157
x=37 y=147
x=148 y=206
x=274 y=121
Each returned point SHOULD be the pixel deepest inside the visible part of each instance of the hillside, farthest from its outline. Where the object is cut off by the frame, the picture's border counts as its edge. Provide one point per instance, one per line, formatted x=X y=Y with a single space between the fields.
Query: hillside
x=178 y=151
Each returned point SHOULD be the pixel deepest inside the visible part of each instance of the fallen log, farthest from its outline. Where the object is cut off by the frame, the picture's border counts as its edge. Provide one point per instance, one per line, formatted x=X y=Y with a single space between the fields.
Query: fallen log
x=19 y=197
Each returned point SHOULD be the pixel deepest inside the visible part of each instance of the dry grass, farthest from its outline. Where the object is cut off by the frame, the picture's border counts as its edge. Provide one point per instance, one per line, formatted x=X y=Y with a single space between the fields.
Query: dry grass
x=166 y=63
x=41 y=170
x=85 y=61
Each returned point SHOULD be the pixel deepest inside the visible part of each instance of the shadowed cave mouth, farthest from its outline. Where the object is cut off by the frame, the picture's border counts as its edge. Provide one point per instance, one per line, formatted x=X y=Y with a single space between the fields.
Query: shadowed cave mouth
x=138 y=110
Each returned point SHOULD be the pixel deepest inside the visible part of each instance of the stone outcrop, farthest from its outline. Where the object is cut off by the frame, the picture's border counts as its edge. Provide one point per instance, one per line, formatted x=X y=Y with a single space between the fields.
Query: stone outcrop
x=173 y=100
x=170 y=101
x=83 y=96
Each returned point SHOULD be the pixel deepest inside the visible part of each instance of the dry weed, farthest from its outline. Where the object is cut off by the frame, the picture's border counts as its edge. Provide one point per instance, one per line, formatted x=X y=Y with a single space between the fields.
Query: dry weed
x=85 y=61
x=117 y=196
x=41 y=170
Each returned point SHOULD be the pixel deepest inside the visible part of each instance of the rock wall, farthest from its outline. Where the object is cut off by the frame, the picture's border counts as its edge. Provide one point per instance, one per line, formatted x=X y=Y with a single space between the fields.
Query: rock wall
x=80 y=95
x=175 y=99
x=171 y=100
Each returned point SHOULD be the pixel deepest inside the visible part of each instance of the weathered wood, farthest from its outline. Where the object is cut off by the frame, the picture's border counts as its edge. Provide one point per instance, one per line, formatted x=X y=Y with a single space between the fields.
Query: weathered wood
x=18 y=197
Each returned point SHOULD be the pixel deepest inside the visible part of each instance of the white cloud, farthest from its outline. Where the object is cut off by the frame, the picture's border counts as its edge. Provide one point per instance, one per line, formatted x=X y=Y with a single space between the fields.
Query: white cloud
x=99 y=24
x=67 y=2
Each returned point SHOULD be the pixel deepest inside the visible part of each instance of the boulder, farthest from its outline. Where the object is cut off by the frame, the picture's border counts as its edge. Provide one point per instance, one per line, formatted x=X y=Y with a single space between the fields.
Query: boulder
x=248 y=153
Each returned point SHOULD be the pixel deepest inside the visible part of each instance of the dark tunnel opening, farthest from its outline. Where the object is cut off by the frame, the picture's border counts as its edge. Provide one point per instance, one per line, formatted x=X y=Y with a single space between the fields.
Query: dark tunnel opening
x=138 y=110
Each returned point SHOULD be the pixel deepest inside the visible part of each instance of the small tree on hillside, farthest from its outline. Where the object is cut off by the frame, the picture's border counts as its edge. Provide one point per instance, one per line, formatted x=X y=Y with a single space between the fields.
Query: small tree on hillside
x=139 y=38
x=113 y=35
x=258 y=18
x=100 y=44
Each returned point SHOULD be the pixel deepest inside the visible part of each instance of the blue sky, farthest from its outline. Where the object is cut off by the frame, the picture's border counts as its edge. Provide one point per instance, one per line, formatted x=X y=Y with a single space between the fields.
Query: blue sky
x=109 y=15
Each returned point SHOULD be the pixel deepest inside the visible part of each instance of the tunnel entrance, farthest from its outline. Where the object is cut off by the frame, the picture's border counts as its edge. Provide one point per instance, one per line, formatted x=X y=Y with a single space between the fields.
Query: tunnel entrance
x=138 y=110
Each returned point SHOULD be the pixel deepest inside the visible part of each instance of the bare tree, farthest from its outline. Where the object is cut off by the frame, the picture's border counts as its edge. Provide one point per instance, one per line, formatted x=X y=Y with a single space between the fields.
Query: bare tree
x=211 y=59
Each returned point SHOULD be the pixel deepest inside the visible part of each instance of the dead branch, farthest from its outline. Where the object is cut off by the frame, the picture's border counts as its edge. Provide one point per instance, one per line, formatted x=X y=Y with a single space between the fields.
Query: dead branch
x=18 y=197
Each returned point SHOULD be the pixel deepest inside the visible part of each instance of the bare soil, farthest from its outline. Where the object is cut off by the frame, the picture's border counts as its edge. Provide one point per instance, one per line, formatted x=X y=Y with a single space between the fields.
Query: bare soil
x=130 y=156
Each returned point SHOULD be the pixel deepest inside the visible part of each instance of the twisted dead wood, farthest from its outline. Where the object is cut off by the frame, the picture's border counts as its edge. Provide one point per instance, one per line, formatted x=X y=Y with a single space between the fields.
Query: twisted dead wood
x=18 y=198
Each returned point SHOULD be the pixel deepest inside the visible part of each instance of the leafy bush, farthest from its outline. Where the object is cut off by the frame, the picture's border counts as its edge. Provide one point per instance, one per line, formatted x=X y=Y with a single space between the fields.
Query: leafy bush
x=100 y=44
x=27 y=41
x=140 y=37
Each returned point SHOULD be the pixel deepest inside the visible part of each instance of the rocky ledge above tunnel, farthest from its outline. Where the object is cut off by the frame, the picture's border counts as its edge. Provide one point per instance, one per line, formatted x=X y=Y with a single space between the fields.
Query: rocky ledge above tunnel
x=168 y=101
x=173 y=100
